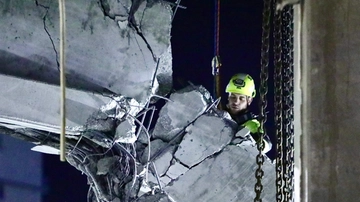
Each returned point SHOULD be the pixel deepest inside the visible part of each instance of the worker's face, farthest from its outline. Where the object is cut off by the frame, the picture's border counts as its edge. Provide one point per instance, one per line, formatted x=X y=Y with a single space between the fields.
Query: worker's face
x=238 y=102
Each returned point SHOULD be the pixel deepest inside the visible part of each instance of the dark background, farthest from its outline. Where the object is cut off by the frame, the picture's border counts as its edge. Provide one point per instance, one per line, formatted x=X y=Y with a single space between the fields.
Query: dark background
x=193 y=49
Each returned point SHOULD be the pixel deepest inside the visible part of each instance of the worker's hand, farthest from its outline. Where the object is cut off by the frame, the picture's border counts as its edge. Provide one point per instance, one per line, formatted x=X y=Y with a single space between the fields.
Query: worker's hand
x=253 y=125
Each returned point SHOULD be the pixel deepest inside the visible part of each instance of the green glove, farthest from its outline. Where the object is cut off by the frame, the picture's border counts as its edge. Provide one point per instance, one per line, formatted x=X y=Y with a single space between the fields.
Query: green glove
x=253 y=125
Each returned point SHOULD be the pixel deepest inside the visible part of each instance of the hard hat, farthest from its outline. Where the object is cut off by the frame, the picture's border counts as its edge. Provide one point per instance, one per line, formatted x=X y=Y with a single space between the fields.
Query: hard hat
x=242 y=84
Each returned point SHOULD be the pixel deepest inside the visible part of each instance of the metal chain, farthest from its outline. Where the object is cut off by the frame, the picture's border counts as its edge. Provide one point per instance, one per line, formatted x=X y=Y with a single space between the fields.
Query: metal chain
x=264 y=75
x=278 y=104
x=288 y=97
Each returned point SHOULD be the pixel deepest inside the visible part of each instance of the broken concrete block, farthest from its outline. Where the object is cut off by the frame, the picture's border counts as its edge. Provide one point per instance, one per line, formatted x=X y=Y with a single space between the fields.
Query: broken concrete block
x=176 y=170
x=100 y=121
x=163 y=162
x=106 y=164
x=144 y=188
x=125 y=132
x=155 y=146
x=158 y=197
x=242 y=133
x=205 y=137
x=143 y=137
x=227 y=176
x=132 y=190
x=116 y=200
x=186 y=105
x=163 y=180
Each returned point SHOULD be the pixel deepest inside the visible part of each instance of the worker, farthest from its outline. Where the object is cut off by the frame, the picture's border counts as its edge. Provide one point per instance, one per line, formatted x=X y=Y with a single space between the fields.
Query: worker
x=241 y=92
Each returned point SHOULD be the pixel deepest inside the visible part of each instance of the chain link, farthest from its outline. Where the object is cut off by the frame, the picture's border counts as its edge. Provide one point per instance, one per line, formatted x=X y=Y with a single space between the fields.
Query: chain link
x=287 y=55
x=278 y=103
x=283 y=99
x=264 y=75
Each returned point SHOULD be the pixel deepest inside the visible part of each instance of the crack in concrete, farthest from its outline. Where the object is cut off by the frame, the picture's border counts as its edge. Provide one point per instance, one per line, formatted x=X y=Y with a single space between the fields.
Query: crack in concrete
x=104 y=6
x=183 y=164
x=132 y=23
x=208 y=157
x=135 y=4
x=47 y=32
x=168 y=167
x=138 y=31
x=188 y=167
x=142 y=17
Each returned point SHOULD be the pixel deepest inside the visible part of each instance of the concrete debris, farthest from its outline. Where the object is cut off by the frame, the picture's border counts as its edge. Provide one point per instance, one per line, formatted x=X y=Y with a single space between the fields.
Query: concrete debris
x=97 y=137
x=105 y=165
x=132 y=191
x=164 y=73
x=158 y=197
x=139 y=148
x=118 y=109
x=143 y=137
x=202 y=166
x=243 y=139
x=204 y=163
x=187 y=104
x=155 y=146
x=116 y=200
x=207 y=136
x=164 y=180
x=125 y=132
x=121 y=107
x=176 y=170
x=144 y=188
x=242 y=133
x=211 y=161
x=46 y=149
x=163 y=162
x=101 y=122
x=228 y=176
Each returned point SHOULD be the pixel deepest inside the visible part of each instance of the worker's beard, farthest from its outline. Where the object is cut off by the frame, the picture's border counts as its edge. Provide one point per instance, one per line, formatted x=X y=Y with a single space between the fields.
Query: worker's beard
x=234 y=110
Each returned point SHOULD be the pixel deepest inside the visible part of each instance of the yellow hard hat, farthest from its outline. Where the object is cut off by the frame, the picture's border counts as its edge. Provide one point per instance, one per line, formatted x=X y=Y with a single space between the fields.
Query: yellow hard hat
x=241 y=84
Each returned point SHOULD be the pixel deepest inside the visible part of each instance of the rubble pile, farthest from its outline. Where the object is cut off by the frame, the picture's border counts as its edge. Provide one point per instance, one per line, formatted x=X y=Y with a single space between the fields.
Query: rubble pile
x=191 y=154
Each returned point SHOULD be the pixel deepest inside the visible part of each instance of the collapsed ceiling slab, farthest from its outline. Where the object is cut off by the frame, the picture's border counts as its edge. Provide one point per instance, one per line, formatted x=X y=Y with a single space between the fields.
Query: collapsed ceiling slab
x=36 y=105
x=105 y=54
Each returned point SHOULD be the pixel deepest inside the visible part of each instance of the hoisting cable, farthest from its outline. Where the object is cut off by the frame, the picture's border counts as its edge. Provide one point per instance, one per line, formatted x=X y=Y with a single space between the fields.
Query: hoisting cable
x=264 y=75
x=62 y=20
x=216 y=62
